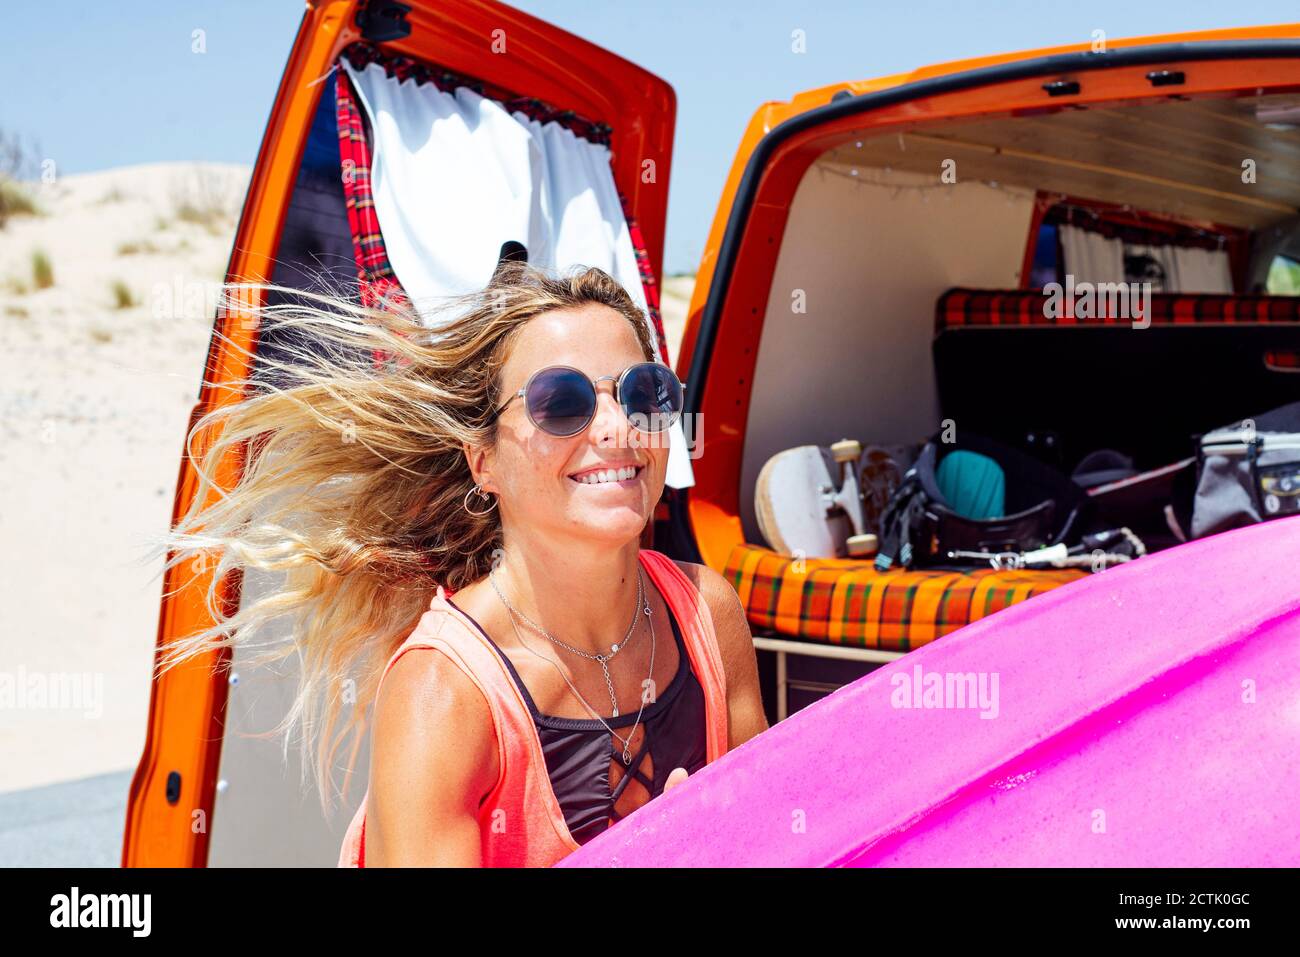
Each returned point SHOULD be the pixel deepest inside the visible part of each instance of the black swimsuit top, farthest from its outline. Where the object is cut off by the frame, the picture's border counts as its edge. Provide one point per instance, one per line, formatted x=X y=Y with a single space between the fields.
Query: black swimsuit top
x=578 y=751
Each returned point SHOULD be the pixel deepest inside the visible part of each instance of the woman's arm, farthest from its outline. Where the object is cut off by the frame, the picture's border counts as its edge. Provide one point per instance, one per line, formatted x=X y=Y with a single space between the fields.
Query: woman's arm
x=745 y=715
x=433 y=757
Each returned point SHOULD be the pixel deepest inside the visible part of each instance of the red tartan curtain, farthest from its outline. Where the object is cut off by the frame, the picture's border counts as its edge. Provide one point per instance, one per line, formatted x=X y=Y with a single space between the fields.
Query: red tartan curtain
x=378 y=284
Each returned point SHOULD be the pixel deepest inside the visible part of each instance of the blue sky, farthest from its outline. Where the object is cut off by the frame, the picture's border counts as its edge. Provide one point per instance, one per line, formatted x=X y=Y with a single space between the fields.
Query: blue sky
x=108 y=84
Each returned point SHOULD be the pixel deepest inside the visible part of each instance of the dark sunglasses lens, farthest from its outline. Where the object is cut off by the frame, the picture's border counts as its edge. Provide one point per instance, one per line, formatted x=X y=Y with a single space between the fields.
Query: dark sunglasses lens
x=652 y=397
x=561 y=401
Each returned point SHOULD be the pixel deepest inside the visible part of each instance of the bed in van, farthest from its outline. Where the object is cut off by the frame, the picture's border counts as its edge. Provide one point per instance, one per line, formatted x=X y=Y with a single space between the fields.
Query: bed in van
x=915 y=219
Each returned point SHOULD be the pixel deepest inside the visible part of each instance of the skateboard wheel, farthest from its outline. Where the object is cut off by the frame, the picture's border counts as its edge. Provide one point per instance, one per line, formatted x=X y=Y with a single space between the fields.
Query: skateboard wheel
x=846 y=450
x=862 y=545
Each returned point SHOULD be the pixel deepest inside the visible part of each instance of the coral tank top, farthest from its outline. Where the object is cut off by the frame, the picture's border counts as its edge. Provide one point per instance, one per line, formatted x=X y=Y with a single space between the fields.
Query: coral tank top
x=579 y=751
x=543 y=829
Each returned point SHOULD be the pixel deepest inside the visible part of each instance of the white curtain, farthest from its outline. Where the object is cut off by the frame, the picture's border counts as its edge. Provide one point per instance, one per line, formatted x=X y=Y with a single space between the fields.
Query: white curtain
x=455 y=176
x=1090 y=256
x=1202 y=270
x=1165 y=258
x=1189 y=269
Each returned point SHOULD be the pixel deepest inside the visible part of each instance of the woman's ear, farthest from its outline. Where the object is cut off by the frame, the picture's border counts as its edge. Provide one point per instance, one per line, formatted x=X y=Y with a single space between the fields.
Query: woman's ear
x=479 y=462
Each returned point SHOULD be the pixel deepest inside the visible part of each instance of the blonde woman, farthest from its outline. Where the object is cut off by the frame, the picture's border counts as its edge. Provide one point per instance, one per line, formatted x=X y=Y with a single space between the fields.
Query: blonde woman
x=460 y=525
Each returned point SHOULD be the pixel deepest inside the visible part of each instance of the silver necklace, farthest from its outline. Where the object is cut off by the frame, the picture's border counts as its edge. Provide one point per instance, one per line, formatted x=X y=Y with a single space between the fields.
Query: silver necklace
x=627 y=741
x=641 y=605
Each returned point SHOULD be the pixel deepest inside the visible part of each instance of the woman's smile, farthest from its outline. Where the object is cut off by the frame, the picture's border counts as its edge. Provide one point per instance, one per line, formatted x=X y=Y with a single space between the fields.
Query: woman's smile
x=626 y=476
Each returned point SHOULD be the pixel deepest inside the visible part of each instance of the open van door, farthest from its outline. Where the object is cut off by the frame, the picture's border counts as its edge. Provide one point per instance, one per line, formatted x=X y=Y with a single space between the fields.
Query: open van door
x=206 y=791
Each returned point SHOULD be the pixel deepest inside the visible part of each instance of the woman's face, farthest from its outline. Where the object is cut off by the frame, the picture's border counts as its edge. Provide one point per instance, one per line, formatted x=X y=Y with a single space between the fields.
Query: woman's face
x=535 y=474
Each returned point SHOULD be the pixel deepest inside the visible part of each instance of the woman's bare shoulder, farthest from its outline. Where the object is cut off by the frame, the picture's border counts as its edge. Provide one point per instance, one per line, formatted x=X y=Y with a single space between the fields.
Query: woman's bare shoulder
x=745 y=713
x=433 y=723
x=729 y=620
x=715 y=588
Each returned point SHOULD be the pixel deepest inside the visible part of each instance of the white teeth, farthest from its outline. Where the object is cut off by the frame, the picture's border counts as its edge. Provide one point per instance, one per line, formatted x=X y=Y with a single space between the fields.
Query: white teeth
x=608 y=475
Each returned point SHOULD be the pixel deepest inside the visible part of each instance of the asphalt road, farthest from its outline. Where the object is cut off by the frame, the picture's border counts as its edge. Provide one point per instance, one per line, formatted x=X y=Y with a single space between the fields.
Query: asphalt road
x=73 y=824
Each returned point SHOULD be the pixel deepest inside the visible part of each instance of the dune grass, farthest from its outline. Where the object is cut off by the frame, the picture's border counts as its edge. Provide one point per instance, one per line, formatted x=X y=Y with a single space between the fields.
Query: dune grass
x=15 y=200
x=136 y=247
x=200 y=199
x=42 y=269
x=123 y=298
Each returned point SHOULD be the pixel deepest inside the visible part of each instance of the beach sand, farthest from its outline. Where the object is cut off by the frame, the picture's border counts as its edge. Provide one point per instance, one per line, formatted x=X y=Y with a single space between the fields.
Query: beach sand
x=95 y=400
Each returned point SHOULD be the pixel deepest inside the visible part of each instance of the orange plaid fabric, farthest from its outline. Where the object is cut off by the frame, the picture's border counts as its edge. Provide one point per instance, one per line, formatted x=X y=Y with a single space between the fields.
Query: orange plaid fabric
x=847 y=602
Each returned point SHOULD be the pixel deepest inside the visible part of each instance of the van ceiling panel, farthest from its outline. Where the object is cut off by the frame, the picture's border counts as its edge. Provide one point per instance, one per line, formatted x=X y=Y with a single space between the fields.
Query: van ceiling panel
x=1180 y=158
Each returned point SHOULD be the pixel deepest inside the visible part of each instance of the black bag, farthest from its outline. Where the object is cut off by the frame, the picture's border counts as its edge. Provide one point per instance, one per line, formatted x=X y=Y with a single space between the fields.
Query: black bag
x=1248 y=472
x=919 y=526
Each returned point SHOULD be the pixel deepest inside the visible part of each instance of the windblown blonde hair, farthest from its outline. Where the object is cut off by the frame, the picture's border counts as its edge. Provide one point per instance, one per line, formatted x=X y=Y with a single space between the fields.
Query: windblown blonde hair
x=355 y=484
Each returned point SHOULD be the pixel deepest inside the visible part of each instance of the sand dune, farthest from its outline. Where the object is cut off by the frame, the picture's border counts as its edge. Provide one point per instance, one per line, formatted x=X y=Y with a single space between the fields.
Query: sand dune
x=96 y=394
x=98 y=373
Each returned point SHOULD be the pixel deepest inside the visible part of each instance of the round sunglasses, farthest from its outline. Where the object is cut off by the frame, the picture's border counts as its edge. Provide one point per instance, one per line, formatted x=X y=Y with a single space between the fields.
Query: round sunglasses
x=561 y=400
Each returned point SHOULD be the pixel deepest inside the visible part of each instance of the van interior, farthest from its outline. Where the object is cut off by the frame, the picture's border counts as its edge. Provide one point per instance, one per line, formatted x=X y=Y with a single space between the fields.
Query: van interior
x=909 y=294
x=879 y=247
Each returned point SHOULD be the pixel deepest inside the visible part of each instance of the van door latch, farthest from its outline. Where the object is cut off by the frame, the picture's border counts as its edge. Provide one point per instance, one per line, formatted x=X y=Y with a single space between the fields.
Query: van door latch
x=1062 y=88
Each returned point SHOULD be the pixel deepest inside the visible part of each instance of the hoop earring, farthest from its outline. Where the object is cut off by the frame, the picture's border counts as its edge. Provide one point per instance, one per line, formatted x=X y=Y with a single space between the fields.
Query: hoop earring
x=478 y=490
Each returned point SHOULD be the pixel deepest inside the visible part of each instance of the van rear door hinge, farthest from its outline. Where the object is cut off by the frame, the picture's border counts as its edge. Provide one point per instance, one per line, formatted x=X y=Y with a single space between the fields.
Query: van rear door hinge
x=384 y=20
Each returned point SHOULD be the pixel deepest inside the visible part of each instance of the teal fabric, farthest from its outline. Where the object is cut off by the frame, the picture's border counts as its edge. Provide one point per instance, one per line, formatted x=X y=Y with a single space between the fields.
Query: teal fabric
x=974 y=485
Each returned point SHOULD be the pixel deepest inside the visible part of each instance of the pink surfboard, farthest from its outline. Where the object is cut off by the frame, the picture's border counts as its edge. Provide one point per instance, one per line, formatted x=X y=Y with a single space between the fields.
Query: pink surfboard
x=1146 y=716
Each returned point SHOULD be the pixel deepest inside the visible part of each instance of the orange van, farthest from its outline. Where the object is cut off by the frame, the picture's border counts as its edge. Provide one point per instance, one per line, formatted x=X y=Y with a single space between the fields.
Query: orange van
x=875 y=267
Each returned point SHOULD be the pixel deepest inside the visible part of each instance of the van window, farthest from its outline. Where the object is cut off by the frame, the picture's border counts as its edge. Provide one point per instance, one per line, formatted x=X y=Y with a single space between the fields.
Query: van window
x=1283 y=277
x=1047 y=257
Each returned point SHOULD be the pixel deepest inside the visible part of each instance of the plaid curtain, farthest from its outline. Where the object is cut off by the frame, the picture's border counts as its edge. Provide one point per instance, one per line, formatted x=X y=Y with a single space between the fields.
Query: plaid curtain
x=647 y=278
x=379 y=284
x=361 y=55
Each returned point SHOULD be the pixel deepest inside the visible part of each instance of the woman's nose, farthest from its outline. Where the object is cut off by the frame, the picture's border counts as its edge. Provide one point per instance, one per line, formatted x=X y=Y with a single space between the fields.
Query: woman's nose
x=610 y=427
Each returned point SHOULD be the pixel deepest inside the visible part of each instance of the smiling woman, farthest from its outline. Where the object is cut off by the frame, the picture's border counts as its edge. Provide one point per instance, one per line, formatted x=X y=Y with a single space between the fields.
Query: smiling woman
x=512 y=458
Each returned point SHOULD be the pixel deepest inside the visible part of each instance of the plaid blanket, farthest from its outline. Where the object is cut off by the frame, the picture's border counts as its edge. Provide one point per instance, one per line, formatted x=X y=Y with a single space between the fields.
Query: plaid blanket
x=847 y=602
x=959 y=308
x=963 y=308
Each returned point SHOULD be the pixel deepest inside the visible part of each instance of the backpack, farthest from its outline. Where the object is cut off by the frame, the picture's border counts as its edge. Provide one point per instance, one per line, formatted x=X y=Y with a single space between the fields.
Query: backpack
x=921 y=526
x=1248 y=472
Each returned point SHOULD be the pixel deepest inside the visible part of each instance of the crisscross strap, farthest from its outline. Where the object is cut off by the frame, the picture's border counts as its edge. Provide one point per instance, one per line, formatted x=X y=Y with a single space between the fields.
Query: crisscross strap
x=634 y=771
